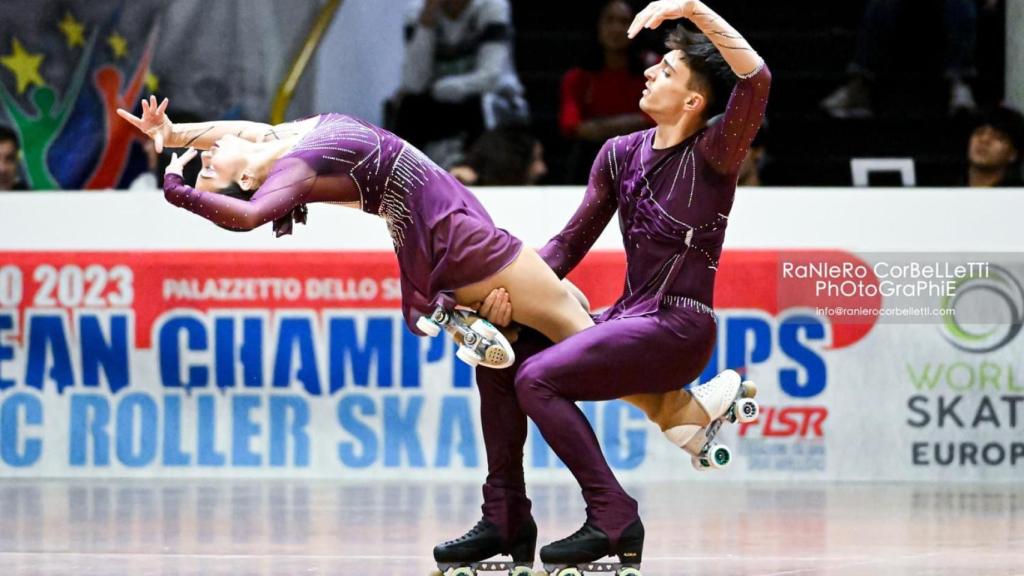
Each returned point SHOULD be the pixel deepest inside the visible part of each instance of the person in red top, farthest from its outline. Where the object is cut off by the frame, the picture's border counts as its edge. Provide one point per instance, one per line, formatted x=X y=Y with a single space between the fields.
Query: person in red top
x=599 y=97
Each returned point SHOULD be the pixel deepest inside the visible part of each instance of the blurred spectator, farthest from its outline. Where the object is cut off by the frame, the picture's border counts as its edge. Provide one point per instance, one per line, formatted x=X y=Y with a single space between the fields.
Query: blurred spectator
x=880 y=30
x=503 y=157
x=600 y=98
x=10 y=150
x=148 y=180
x=994 y=150
x=458 y=77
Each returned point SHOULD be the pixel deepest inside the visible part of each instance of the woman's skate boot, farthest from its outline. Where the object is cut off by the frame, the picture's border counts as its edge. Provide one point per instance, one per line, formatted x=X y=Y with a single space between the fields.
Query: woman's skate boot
x=472 y=552
x=579 y=553
x=725 y=398
x=480 y=342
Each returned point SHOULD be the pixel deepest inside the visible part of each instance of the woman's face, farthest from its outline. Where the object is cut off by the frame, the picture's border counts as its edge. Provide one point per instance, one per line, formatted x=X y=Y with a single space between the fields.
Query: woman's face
x=613 y=24
x=223 y=164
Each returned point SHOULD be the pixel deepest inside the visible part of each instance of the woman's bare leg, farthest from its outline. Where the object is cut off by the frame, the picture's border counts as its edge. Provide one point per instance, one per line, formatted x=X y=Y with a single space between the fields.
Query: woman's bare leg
x=540 y=301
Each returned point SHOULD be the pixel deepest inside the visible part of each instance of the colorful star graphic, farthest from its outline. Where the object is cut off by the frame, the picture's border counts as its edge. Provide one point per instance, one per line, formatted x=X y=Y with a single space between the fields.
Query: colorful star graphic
x=118 y=45
x=24 y=65
x=152 y=82
x=74 y=31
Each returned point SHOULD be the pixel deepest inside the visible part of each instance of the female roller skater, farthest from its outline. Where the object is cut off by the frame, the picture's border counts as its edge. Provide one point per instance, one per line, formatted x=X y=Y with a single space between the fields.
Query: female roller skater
x=673 y=187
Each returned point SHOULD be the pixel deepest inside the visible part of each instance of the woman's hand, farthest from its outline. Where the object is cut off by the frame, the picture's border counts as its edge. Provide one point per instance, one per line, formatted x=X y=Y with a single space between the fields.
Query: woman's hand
x=660 y=11
x=154 y=122
x=177 y=164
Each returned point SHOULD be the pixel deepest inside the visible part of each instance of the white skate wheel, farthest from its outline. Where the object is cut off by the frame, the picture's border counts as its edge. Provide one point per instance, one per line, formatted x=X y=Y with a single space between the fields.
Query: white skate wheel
x=746 y=410
x=698 y=465
x=629 y=572
x=748 y=389
x=719 y=456
x=463 y=571
x=468 y=355
x=428 y=326
x=484 y=328
x=567 y=572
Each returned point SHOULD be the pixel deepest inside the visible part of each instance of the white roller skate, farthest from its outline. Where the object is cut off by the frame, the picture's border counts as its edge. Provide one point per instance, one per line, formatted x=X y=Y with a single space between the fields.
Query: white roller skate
x=480 y=342
x=725 y=398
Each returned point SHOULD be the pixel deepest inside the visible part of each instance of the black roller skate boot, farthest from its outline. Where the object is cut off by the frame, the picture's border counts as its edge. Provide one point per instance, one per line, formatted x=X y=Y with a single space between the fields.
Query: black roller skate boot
x=471 y=553
x=578 y=554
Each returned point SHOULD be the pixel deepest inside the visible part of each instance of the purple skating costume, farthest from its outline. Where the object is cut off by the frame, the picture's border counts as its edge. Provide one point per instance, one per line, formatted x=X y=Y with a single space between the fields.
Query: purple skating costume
x=443 y=237
x=673 y=207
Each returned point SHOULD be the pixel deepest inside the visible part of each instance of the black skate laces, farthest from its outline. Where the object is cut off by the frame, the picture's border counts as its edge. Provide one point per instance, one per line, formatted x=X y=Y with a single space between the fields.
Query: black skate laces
x=583 y=532
x=480 y=528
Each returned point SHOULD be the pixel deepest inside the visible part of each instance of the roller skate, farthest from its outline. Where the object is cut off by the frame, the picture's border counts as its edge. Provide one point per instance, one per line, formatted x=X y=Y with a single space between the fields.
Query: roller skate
x=577 y=555
x=470 y=553
x=726 y=398
x=480 y=342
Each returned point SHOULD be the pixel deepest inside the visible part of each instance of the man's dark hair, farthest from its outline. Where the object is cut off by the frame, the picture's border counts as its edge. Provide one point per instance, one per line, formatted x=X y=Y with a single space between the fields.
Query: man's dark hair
x=1008 y=121
x=710 y=74
x=8 y=135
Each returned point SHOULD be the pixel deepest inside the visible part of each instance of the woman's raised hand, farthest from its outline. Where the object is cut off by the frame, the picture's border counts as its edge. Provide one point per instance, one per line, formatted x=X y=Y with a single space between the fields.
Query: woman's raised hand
x=154 y=122
x=177 y=163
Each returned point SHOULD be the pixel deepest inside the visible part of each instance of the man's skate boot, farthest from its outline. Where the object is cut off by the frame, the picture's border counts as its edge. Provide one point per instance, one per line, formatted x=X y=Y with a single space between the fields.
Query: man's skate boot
x=472 y=552
x=725 y=398
x=480 y=342
x=579 y=554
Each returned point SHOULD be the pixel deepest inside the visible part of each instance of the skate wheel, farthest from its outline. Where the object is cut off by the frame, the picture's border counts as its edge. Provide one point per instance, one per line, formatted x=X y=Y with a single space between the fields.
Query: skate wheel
x=748 y=389
x=484 y=328
x=521 y=571
x=468 y=355
x=698 y=464
x=719 y=456
x=428 y=326
x=746 y=410
x=629 y=572
x=463 y=571
x=567 y=572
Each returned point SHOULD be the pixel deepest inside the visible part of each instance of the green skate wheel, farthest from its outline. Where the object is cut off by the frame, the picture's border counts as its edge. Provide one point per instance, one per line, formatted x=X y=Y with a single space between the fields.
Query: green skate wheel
x=719 y=456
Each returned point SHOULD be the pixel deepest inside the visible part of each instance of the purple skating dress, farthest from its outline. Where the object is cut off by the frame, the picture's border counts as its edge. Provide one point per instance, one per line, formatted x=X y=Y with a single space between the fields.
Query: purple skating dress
x=443 y=237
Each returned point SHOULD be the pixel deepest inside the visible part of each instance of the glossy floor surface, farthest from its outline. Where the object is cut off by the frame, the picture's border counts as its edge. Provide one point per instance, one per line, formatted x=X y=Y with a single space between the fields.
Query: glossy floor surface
x=271 y=528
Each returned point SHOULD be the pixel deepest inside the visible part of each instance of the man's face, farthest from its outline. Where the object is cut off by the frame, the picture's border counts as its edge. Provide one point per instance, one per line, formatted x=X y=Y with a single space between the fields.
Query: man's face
x=990 y=148
x=8 y=165
x=668 y=92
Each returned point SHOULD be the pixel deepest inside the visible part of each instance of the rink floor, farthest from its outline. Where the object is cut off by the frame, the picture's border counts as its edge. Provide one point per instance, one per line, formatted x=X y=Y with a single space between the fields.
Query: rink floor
x=292 y=528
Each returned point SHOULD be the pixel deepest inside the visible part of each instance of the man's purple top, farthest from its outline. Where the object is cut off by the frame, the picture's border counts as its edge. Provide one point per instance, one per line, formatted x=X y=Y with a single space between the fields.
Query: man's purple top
x=442 y=235
x=673 y=205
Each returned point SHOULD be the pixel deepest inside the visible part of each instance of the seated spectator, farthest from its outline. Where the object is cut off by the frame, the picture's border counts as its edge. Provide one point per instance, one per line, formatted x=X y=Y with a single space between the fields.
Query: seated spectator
x=600 y=97
x=458 y=77
x=503 y=157
x=879 y=32
x=994 y=150
x=10 y=153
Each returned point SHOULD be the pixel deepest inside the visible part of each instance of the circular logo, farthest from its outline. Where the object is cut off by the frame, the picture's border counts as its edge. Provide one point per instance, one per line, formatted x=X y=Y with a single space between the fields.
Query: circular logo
x=988 y=311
